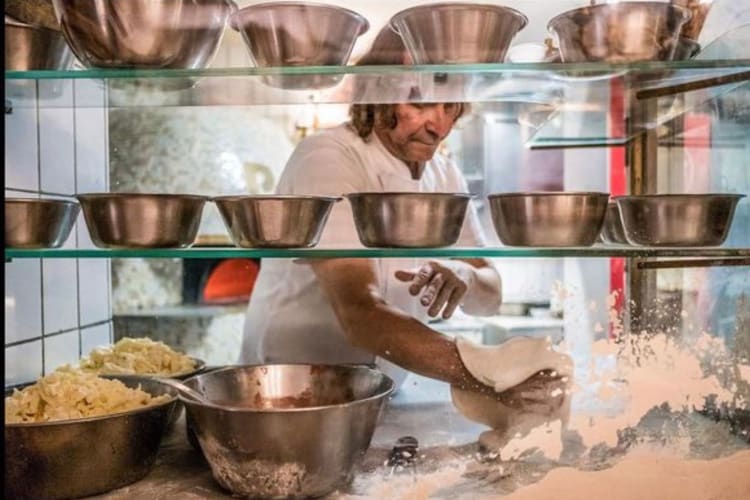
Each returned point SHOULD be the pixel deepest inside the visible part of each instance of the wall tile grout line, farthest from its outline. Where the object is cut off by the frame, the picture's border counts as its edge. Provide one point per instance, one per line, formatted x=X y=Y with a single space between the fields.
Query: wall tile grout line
x=78 y=243
x=39 y=188
x=108 y=188
x=31 y=191
x=56 y=334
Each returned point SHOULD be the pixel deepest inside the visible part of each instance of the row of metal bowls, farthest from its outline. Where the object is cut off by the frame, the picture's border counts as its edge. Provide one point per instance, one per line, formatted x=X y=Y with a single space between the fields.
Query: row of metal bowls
x=333 y=411
x=410 y=220
x=186 y=34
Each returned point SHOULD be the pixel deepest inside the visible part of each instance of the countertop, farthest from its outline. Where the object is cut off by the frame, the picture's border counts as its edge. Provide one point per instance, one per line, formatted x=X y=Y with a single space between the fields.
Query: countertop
x=450 y=464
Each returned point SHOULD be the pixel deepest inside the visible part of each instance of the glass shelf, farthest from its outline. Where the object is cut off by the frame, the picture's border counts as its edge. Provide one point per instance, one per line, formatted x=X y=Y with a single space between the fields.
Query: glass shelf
x=323 y=253
x=590 y=69
x=561 y=104
x=527 y=82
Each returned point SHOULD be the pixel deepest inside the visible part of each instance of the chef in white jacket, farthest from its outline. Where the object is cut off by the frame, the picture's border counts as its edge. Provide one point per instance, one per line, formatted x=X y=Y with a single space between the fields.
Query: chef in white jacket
x=364 y=310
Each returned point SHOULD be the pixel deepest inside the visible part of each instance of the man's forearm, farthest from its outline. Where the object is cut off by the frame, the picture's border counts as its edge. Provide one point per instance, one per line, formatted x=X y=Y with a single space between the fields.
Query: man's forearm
x=393 y=335
x=370 y=323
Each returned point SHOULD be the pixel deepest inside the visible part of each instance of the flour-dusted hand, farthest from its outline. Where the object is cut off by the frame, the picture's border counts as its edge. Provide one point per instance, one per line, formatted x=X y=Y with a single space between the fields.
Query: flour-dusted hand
x=442 y=284
x=526 y=376
x=542 y=393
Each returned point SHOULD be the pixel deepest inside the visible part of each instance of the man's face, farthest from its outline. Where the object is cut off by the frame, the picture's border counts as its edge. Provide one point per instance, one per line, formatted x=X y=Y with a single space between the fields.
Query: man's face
x=420 y=128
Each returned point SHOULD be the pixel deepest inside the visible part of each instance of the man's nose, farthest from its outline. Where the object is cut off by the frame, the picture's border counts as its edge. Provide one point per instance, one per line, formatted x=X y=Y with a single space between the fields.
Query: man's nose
x=438 y=121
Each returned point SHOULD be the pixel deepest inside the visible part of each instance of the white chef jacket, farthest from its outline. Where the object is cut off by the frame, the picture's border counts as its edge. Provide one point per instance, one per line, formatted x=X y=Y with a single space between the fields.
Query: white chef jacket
x=289 y=320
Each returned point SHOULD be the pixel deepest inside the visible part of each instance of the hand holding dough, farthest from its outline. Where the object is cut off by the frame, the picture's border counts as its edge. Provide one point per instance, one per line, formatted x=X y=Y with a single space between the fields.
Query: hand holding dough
x=525 y=397
x=512 y=362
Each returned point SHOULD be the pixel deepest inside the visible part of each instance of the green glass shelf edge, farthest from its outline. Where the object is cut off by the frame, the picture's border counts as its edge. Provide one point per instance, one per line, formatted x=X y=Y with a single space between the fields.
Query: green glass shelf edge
x=377 y=70
x=326 y=253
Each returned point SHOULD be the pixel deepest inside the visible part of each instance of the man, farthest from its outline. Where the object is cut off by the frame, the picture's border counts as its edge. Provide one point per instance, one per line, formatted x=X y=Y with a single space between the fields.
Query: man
x=374 y=310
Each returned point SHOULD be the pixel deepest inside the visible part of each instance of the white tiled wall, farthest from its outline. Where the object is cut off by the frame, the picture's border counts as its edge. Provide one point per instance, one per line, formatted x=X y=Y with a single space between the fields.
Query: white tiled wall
x=55 y=147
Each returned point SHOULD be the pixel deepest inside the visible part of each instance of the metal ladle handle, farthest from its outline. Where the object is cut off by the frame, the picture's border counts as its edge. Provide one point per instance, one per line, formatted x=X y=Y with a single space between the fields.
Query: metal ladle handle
x=187 y=392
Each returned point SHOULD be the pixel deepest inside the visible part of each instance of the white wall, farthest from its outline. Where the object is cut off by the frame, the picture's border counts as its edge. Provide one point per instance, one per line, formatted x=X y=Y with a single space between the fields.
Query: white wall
x=55 y=147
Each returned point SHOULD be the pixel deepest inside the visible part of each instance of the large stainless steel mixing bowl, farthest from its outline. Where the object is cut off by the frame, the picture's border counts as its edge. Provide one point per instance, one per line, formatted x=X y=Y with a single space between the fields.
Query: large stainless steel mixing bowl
x=619 y=32
x=34 y=48
x=301 y=430
x=82 y=457
x=280 y=221
x=456 y=33
x=299 y=34
x=33 y=223
x=130 y=220
x=409 y=220
x=181 y=34
x=612 y=230
x=677 y=220
x=548 y=219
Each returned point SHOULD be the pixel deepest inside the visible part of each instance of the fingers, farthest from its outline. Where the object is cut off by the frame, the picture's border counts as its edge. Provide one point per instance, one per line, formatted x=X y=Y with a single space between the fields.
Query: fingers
x=445 y=290
x=459 y=290
x=453 y=302
x=424 y=275
x=542 y=393
x=441 y=289
x=402 y=275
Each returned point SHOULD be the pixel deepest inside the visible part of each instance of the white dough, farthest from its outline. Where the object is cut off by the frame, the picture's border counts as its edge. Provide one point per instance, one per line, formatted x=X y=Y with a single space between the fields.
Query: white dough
x=510 y=363
x=502 y=367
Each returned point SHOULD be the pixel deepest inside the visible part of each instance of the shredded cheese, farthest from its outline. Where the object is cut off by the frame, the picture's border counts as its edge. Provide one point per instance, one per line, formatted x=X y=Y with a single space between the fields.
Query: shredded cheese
x=69 y=394
x=137 y=356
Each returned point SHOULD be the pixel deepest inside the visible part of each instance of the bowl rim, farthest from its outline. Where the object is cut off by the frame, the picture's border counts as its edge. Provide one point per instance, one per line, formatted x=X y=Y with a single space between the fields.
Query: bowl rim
x=736 y=196
x=380 y=394
x=262 y=197
x=398 y=16
x=687 y=15
x=15 y=23
x=135 y=196
x=396 y=194
x=542 y=194
x=41 y=201
x=234 y=16
x=73 y=421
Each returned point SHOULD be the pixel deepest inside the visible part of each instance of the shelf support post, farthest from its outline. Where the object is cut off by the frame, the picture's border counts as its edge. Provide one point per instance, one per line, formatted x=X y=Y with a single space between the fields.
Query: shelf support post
x=641 y=162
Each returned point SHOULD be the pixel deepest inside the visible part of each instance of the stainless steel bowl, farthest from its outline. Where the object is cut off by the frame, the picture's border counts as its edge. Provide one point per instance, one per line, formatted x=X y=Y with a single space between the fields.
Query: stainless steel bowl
x=548 y=219
x=299 y=34
x=409 y=220
x=619 y=32
x=180 y=34
x=34 y=12
x=280 y=221
x=34 y=48
x=457 y=33
x=686 y=49
x=33 y=223
x=82 y=457
x=300 y=432
x=612 y=230
x=699 y=10
x=677 y=220
x=130 y=220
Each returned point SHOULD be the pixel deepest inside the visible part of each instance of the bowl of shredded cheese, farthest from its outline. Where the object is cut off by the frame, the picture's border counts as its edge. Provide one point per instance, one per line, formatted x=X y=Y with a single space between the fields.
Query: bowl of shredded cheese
x=143 y=357
x=74 y=434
